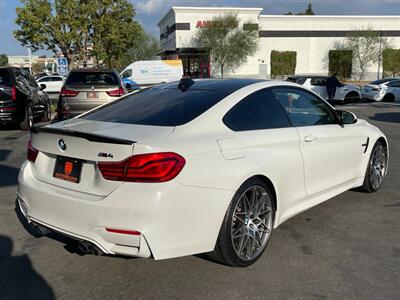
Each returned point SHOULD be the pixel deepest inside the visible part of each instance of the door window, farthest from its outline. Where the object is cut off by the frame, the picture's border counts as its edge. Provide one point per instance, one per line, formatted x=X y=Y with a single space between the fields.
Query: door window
x=318 y=81
x=55 y=78
x=304 y=108
x=259 y=110
x=394 y=83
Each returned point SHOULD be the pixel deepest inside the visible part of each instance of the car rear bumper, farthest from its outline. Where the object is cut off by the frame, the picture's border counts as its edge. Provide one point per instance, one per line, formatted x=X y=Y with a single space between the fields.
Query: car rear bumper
x=172 y=219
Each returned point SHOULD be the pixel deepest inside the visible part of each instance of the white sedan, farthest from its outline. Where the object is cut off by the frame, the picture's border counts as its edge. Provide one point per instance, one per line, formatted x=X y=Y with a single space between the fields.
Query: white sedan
x=345 y=94
x=385 y=90
x=196 y=166
x=53 y=83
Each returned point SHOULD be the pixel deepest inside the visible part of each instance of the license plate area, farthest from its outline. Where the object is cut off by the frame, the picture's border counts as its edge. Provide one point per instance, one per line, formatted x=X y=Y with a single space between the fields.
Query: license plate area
x=92 y=94
x=68 y=169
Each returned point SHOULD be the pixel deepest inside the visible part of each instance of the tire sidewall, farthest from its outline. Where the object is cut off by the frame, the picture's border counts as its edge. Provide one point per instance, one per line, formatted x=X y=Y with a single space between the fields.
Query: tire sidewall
x=224 y=239
x=367 y=184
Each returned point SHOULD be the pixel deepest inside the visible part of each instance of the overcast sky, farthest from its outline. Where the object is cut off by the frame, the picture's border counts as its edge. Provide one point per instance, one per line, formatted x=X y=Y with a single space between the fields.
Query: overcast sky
x=149 y=12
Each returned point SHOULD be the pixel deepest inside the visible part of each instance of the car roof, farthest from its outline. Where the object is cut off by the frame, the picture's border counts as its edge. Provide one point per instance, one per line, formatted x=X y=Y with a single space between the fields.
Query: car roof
x=92 y=70
x=228 y=85
x=308 y=76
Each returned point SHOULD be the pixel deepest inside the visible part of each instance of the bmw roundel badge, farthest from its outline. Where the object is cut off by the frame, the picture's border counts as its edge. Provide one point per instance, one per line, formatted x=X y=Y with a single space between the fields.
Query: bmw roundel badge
x=62 y=144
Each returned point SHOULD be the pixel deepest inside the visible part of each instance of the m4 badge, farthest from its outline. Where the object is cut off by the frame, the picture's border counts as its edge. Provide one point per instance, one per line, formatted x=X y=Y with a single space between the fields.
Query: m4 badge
x=105 y=154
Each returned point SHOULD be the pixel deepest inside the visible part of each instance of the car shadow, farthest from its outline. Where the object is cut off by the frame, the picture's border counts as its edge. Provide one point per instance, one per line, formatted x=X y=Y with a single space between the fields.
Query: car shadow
x=391 y=117
x=18 y=278
x=8 y=175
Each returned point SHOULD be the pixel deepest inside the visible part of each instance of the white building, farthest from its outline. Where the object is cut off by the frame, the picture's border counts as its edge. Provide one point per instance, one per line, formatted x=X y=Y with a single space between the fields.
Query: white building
x=310 y=36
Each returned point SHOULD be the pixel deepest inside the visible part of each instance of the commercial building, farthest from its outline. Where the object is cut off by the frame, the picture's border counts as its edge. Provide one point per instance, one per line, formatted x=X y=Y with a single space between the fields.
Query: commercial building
x=312 y=37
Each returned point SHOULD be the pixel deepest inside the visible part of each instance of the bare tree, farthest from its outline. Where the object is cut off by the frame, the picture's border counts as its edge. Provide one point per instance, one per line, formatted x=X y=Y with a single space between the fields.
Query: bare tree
x=367 y=46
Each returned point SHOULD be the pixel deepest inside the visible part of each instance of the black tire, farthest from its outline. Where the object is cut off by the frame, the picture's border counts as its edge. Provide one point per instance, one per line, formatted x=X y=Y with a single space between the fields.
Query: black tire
x=224 y=251
x=369 y=186
x=388 y=98
x=47 y=113
x=351 y=97
x=28 y=120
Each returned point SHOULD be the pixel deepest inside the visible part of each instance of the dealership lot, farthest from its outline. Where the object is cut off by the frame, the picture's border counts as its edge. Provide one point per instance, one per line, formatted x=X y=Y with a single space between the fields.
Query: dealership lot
x=347 y=247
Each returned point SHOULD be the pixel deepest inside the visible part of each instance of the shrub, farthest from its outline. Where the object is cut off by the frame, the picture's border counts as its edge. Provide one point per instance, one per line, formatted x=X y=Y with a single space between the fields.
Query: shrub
x=283 y=63
x=391 y=62
x=341 y=63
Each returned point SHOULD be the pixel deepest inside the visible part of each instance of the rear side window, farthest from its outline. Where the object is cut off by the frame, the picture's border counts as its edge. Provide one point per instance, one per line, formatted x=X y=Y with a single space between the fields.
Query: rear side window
x=259 y=110
x=380 y=81
x=5 y=79
x=318 y=81
x=158 y=107
x=395 y=83
x=92 y=78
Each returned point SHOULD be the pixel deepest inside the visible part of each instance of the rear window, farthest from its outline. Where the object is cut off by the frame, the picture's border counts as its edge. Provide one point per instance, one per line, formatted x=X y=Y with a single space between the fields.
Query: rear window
x=5 y=79
x=92 y=78
x=380 y=81
x=158 y=107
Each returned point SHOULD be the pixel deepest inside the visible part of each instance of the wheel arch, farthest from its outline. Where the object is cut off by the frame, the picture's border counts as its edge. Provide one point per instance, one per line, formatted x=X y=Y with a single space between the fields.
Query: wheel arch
x=387 y=96
x=271 y=187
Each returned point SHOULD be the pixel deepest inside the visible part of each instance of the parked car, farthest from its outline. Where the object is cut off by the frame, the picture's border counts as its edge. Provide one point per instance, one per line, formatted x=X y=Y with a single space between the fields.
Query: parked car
x=386 y=90
x=346 y=94
x=195 y=166
x=149 y=72
x=53 y=83
x=21 y=99
x=85 y=89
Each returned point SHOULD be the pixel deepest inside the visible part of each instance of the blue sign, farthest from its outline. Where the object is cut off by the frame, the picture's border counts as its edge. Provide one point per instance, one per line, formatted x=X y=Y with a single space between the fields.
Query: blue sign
x=62 y=61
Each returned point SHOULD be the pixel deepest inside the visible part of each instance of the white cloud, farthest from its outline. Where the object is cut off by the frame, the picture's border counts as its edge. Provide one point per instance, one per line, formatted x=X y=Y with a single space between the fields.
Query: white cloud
x=152 y=6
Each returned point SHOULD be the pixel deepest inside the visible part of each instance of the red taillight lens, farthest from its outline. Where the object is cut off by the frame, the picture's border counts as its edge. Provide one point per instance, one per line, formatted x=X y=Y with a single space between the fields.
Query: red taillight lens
x=13 y=93
x=154 y=167
x=68 y=93
x=32 y=152
x=116 y=93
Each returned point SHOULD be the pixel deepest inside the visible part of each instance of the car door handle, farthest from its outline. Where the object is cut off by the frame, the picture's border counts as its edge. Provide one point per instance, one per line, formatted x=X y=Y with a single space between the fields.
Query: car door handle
x=310 y=138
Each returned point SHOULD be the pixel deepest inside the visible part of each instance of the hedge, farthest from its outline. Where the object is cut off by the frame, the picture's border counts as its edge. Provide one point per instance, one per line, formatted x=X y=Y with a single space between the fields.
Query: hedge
x=341 y=63
x=391 y=62
x=283 y=63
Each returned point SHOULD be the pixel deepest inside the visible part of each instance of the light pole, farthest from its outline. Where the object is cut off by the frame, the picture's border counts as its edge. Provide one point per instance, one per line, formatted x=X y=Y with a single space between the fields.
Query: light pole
x=379 y=54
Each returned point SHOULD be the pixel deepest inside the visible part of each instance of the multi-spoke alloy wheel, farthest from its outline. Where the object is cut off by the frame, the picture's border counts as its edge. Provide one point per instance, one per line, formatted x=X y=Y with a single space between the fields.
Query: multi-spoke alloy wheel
x=251 y=223
x=377 y=168
x=247 y=225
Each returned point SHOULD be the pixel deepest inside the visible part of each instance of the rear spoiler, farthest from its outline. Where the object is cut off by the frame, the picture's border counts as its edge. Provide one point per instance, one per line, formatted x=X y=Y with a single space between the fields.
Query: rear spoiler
x=88 y=136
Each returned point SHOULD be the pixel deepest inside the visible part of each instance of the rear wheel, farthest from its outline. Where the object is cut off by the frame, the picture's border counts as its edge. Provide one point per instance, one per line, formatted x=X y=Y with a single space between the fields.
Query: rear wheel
x=351 y=97
x=28 y=119
x=376 y=169
x=388 y=98
x=247 y=226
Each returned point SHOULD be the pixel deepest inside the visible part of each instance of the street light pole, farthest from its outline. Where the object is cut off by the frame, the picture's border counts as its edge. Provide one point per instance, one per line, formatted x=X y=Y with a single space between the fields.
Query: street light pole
x=379 y=54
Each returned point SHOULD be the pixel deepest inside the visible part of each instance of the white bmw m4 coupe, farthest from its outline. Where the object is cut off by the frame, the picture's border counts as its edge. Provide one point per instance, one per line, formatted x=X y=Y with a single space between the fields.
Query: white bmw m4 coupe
x=195 y=166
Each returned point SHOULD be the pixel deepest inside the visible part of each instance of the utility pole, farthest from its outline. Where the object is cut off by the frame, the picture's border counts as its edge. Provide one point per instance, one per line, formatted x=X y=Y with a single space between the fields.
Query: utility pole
x=379 y=54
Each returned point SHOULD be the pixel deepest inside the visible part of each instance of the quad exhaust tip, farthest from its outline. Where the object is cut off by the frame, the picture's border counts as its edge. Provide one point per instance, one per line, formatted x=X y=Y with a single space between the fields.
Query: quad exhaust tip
x=88 y=248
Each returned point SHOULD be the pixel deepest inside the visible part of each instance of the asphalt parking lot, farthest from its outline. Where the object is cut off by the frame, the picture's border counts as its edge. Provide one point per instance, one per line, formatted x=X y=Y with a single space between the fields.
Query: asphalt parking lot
x=347 y=247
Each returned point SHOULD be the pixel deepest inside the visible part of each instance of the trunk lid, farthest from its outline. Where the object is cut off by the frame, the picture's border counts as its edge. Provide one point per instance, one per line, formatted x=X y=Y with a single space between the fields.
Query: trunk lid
x=88 y=142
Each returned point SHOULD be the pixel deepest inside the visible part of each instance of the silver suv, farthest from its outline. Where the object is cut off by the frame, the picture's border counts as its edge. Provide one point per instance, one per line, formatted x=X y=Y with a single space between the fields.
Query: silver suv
x=85 y=89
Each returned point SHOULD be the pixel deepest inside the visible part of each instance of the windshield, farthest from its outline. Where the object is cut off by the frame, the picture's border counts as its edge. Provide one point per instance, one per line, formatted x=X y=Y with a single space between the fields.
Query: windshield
x=92 y=78
x=158 y=107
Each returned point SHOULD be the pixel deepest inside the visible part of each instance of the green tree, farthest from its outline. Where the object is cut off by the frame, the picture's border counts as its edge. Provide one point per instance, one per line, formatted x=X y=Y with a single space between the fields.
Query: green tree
x=227 y=43
x=367 y=46
x=308 y=11
x=38 y=68
x=391 y=62
x=70 y=26
x=3 y=60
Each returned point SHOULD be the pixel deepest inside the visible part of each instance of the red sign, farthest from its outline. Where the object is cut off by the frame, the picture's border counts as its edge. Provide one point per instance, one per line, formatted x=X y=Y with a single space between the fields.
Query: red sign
x=202 y=24
x=68 y=168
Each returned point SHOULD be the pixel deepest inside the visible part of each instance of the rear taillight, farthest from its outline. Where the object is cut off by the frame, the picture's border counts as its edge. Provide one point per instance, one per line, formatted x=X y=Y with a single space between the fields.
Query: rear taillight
x=154 y=167
x=116 y=93
x=13 y=93
x=32 y=152
x=68 y=93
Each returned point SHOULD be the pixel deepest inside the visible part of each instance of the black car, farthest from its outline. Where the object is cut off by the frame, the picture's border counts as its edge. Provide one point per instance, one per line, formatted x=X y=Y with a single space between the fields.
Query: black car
x=22 y=101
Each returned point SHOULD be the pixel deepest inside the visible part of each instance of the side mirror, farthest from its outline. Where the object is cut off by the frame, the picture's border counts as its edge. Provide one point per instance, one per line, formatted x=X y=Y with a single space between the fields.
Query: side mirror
x=347 y=117
x=43 y=86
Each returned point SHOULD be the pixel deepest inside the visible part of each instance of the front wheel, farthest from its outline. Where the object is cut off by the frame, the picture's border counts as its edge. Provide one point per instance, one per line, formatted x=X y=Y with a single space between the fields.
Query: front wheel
x=376 y=170
x=247 y=225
